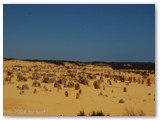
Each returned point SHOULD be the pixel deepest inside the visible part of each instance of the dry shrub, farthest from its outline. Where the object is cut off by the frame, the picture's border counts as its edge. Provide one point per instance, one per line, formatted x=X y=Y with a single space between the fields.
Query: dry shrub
x=132 y=112
x=98 y=113
x=81 y=113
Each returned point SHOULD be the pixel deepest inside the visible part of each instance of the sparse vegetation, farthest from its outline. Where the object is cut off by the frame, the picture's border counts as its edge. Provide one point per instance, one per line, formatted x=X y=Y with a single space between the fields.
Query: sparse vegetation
x=81 y=113
x=132 y=112
x=93 y=113
x=98 y=113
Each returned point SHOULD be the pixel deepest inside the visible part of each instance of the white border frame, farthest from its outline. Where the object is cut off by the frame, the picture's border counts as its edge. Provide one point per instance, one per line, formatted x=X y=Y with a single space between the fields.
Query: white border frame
x=157 y=11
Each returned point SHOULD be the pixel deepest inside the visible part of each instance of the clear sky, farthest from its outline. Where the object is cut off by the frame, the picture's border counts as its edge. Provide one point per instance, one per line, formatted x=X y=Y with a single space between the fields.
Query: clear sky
x=80 y=32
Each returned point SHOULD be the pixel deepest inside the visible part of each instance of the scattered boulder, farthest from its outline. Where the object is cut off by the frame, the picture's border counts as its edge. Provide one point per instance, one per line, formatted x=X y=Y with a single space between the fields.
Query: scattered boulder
x=19 y=87
x=109 y=82
x=9 y=73
x=21 y=77
x=77 y=95
x=36 y=76
x=121 y=101
x=80 y=91
x=70 y=84
x=47 y=80
x=66 y=93
x=8 y=78
x=124 y=89
x=25 y=87
x=142 y=82
x=148 y=82
x=100 y=94
x=21 y=92
x=104 y=87
x=35 y=91
x=96 y=84
x=77 y=86
x=57 y=85
x=84 y=81
x=36 y=84
x=112 y=91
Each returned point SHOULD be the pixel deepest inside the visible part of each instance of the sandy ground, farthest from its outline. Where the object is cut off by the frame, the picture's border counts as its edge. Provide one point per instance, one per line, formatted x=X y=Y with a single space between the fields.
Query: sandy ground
x=139 y=97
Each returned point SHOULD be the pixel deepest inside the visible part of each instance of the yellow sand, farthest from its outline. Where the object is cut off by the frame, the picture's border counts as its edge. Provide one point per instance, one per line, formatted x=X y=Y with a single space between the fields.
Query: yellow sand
x=54 y=103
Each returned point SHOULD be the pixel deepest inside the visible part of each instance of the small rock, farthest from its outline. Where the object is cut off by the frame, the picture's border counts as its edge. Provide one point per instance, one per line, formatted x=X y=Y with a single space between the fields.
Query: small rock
x=121 y=101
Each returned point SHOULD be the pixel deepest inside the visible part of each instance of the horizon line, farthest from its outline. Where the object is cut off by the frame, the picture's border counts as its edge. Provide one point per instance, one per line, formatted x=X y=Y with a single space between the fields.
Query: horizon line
x=62 y=60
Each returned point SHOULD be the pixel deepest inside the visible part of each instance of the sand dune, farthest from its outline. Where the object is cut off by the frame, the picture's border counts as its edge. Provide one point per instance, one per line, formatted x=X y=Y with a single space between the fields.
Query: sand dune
x=49 y=99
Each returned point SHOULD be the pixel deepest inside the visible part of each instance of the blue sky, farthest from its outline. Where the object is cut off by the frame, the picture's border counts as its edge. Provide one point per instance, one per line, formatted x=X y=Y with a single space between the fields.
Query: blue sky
x=80 y=32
